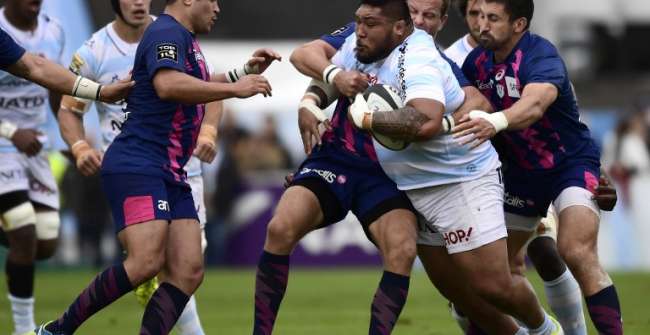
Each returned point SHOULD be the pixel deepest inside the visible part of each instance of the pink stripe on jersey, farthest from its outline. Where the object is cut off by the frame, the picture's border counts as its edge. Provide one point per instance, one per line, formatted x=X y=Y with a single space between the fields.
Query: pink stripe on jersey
x=138 y=209
x=175 y=150
x=519 y=56
x=201 y=61
x=349 y=141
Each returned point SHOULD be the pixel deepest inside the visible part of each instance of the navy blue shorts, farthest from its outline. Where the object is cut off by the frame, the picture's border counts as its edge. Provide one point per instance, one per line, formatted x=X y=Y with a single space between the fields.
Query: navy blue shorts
x=136 y=198
x=529 y=193
x=340 y=187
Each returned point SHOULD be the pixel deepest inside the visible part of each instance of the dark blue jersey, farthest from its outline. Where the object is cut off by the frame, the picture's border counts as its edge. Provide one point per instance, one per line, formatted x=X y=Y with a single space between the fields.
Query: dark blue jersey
x=159 y=136
x=559 y=136
x=10 y=51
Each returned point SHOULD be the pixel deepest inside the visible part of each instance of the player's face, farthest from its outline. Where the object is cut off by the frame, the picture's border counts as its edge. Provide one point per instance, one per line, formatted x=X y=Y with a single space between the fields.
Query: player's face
x=204 y=15
x=471 y=18
x=27 y=8
x=427 y=15
x=376 y=34
x=135 y=12
x=496 y=30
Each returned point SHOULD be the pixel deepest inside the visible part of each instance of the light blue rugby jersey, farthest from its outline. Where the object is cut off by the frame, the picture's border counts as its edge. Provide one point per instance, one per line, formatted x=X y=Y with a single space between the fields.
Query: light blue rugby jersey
x=417 y=70
x=22 y=102
x=106 y=58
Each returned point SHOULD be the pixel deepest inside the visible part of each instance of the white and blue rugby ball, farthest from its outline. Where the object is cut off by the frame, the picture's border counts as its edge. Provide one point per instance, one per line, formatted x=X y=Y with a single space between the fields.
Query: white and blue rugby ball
x=385 y=98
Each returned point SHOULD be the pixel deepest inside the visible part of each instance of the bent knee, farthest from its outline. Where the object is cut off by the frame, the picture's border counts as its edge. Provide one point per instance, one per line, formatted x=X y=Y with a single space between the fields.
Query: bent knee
x=144 y=267
x=402 y=253
x=282 y=232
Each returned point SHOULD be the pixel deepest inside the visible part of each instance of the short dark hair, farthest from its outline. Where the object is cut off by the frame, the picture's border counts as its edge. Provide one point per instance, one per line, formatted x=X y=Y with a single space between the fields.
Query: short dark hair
x=518 y=9
x=461 y=6
x=445 y=7
x=396 y=9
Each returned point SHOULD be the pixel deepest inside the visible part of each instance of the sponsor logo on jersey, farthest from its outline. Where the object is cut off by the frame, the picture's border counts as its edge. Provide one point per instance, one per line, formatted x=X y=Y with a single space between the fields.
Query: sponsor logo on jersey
x=38 y=187
x=163 y=205
x=167 y=51
x=458 y=236
x=6 y=176
x=500 y=74
x=22 y=102
x=513 y=88
x=485 y=86
x=340 y=31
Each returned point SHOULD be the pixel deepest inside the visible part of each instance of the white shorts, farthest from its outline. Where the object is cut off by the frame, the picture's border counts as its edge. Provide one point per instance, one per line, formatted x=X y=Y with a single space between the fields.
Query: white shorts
x=196 y=183
x=461 y=216
x=32 y=174
x=570 y=196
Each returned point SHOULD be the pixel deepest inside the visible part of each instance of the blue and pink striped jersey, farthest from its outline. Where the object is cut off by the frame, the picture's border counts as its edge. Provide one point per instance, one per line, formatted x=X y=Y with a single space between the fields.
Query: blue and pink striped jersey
x=556 y=139
x=158 y=137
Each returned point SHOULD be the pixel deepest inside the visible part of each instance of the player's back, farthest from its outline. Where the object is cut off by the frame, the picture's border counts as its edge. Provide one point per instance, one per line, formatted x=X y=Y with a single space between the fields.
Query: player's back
x=559 y=136
x=22 y=102
x=158 y=136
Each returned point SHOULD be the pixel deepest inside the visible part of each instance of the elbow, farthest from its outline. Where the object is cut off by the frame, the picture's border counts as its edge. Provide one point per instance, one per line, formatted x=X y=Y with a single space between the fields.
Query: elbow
x=165 y=92
x=428 y=131
x=297 y=55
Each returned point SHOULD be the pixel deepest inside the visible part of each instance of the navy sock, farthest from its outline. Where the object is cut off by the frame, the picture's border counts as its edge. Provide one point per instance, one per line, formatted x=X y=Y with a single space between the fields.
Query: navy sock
x=107 y=287
x=163 y=310
x=20 y=279
x=605 y=311
x=388 y=303
x=270 y=285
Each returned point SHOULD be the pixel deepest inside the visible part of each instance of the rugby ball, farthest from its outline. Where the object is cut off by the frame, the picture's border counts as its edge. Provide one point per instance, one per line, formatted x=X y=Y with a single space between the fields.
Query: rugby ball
x=385 y=98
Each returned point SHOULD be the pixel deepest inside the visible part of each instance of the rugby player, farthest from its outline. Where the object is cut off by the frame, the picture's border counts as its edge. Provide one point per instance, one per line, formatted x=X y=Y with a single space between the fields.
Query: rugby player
x=108 y=57
x=543 y=143
x=142 y=170
x=29 y=197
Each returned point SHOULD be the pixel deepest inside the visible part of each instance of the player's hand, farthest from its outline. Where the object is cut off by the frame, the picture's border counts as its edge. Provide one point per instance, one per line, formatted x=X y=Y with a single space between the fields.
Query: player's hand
x=87 y=159
x=309 y=129
x=475 y=131
x=26 y=141
x=251 y=85
x=288 y=179
x=605 y=196
x=350 y=83
x=261 y=60
x=360 y=113
x=116 y=92
x=206 y=144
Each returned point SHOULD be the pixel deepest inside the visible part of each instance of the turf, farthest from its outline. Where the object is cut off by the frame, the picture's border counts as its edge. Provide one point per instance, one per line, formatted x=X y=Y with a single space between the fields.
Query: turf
x=317 y=302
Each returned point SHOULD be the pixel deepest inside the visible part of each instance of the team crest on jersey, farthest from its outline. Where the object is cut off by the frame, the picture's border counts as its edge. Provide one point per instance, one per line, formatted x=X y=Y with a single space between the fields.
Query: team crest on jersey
x=500 y=90
x=167 y=51
x=339 y=31
x=76 y=64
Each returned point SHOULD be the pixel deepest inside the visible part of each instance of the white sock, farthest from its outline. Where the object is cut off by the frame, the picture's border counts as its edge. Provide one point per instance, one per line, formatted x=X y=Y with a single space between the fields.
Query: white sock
x=565 y=299
x=546 y=328
x=22 y=310
x=189 y=323
x=463 y=321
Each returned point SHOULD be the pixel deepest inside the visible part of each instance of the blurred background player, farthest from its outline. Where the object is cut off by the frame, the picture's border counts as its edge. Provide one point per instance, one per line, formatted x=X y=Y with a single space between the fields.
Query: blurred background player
x=108 y=57
x=526 y=79
x=469 y=11
x=142 y=170
x=29 y=197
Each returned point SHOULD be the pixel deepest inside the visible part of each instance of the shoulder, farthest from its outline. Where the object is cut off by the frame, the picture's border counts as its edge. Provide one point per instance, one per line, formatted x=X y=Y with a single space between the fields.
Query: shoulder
x=539 y=46
x=339 y=36
x=52 y=24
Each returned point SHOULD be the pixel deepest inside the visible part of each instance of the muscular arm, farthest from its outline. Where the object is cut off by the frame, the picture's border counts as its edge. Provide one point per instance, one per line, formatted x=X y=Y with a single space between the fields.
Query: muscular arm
x=535 y=100
x=213 y=113
x=312 y=58
x=44 y=72
x=419 y=120
x=71 y=124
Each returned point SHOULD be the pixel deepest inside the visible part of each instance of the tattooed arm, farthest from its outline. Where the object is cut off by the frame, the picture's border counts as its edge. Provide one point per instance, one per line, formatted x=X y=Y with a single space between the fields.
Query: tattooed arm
x=419 y=120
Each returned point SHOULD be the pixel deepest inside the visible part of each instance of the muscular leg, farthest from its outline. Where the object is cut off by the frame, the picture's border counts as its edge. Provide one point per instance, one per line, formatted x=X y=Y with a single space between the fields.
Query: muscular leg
x=488 y=317
x=47 y=231
x=297 y=213
x=145 y=243
x=577 y=244
x=395 y=233
x=184 y=269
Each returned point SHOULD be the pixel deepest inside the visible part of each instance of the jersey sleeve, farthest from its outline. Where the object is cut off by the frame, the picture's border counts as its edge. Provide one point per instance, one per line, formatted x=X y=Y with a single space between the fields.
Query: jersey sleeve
x=338 y=37
x=468 y=68
x=10 y=51
x=83 y=62
x=165 y=49
x=423 y=78
x=545 y=66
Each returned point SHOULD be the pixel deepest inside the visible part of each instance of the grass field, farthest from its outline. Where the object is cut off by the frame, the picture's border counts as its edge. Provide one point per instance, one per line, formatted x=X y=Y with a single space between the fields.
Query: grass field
x=318 y=302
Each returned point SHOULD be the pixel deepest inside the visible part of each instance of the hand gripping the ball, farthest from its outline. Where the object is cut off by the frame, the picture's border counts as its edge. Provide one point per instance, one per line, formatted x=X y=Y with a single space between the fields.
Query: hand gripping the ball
x=360 y=112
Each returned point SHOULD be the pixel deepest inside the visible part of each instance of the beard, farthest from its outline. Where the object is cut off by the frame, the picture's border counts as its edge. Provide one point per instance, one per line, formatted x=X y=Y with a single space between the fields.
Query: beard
x=371 y=57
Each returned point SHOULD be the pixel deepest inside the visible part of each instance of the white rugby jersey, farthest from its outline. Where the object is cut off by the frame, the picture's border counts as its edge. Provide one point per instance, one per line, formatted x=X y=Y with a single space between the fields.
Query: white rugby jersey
x=106 y=58
x=417 y=70
x=459 y=50
x=22 y=102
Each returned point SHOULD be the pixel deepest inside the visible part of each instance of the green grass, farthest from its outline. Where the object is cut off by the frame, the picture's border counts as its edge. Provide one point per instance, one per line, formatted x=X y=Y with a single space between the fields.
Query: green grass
x=317 y=302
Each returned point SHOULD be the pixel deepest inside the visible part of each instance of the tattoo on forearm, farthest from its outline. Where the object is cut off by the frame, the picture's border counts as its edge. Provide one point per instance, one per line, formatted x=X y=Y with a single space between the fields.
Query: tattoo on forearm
x=400 y=124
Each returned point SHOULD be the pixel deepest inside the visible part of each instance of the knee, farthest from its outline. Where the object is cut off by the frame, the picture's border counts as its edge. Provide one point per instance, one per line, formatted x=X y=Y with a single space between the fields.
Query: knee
x=400 y=252
x=22 y=244
x=496 y=290
x=145 y=266
x=576 y=254
x=282 y=232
